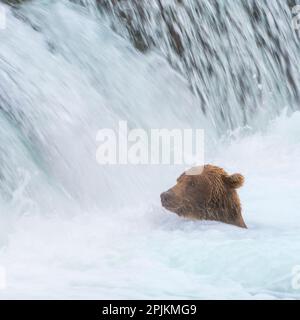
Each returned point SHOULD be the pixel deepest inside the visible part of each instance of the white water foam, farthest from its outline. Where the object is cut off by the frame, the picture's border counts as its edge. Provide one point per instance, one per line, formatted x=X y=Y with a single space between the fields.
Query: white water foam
x=146 y=252
x=72 y=229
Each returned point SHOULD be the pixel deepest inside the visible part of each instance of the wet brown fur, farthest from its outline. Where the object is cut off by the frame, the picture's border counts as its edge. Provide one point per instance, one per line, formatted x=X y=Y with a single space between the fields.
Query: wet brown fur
x=210 y=195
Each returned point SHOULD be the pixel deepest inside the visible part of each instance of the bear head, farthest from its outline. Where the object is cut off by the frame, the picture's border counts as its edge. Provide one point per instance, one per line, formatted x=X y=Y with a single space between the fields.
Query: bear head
x=206 y=193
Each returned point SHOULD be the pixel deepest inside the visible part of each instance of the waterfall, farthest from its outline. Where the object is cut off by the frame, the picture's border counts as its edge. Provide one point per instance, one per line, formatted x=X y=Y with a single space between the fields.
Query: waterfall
x=70 y=227
x=240 y=58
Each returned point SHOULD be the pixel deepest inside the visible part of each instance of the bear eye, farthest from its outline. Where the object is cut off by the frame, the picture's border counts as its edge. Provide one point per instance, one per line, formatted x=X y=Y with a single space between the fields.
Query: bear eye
x=192 y=184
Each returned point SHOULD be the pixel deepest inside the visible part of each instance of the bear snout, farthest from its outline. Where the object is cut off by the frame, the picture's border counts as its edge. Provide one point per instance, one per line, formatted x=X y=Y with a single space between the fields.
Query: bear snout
x=166 y=198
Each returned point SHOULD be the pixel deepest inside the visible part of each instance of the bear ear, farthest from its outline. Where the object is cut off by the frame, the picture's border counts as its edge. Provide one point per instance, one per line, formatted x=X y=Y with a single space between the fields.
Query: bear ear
x=234 y=181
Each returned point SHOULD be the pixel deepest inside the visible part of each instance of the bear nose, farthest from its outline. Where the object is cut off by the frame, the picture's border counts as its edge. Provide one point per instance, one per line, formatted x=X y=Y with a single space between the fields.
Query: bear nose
x=166 y=196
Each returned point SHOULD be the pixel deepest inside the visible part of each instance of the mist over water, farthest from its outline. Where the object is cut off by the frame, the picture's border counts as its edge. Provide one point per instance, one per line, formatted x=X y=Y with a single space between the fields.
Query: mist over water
x=70 y=228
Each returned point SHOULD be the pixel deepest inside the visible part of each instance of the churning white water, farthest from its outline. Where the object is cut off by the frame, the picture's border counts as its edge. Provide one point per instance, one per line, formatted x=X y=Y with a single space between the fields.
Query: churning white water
x=70 y=228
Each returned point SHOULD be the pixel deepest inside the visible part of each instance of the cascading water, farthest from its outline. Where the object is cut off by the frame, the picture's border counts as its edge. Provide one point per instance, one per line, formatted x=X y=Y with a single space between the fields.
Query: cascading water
x=241 y=58
x=72 y=228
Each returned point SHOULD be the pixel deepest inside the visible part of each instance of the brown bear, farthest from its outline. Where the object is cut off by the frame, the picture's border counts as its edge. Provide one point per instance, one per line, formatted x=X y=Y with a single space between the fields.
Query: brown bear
x=206 y=193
